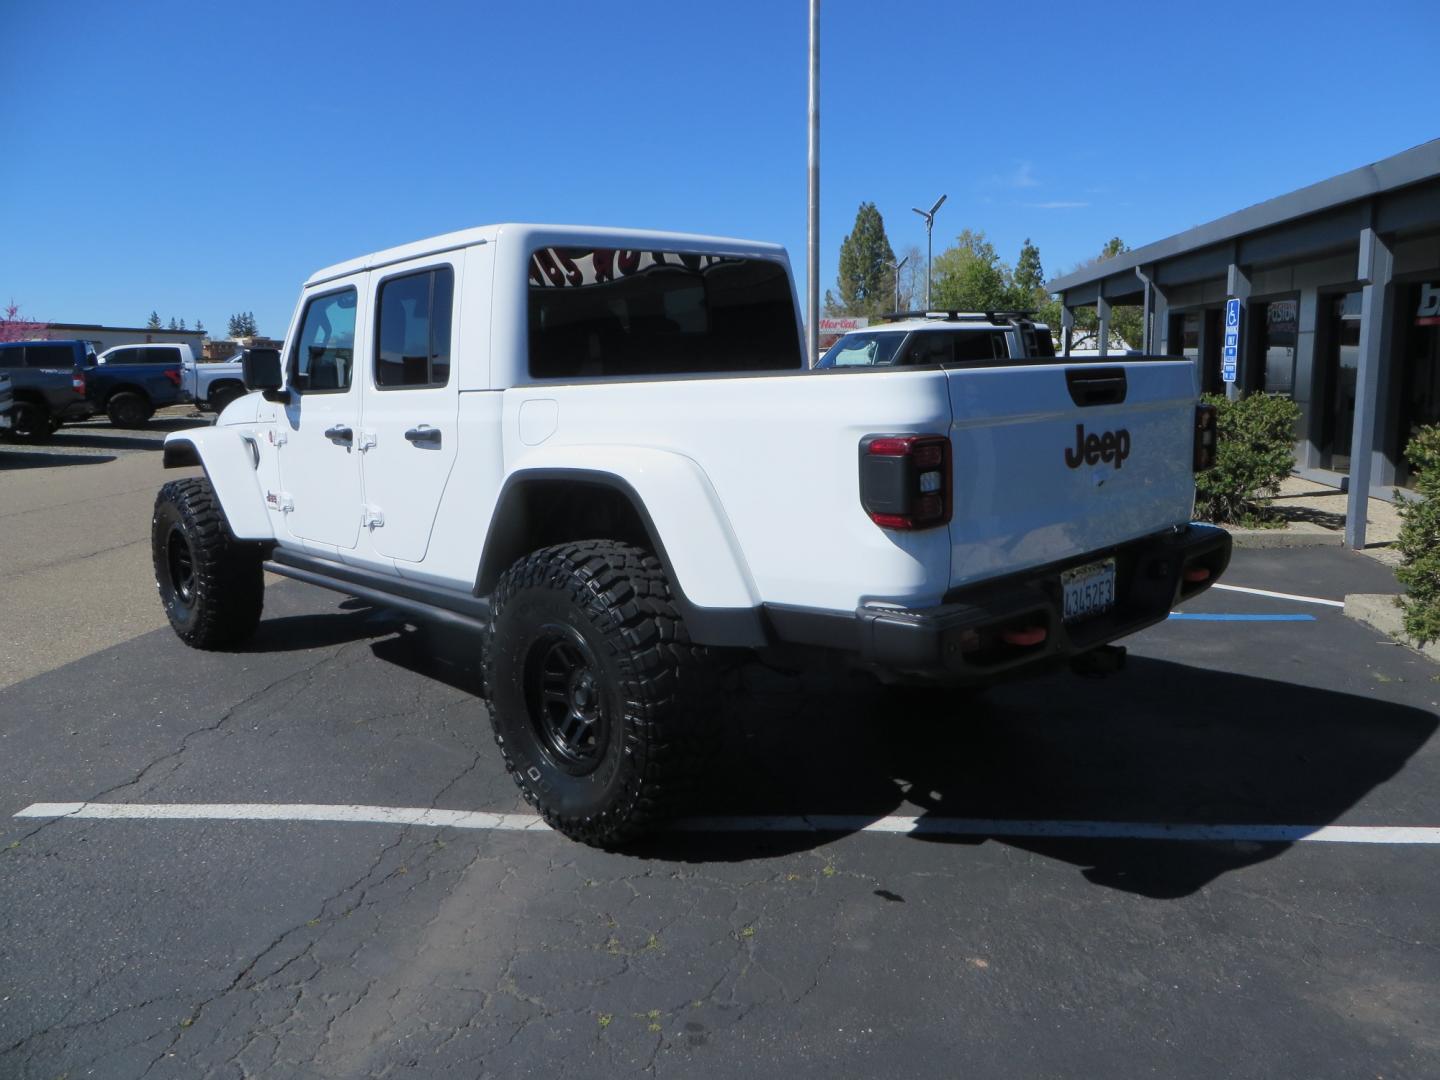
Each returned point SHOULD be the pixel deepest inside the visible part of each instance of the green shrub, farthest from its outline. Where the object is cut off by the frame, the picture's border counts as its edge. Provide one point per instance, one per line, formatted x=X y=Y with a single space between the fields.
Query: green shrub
x=1256 y=451
x=1420 y=538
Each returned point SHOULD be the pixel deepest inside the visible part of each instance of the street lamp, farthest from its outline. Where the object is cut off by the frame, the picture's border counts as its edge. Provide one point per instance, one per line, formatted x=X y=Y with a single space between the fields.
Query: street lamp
x=896 y=266
x=929 y=216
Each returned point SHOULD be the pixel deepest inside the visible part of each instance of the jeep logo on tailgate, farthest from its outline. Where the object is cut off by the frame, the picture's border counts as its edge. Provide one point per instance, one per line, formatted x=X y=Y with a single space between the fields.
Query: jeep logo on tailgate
x=1091 y=449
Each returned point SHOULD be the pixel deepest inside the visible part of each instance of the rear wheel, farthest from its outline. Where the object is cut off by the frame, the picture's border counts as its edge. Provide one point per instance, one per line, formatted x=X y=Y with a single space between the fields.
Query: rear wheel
x=598 y=701
x=30 y=422
x=129 y=410
x=211 y=585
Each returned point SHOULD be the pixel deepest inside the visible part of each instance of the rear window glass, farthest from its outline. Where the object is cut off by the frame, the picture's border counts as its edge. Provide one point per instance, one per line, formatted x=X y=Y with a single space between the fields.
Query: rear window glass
x=122 y=356
x=863 y=350
x=607 y=312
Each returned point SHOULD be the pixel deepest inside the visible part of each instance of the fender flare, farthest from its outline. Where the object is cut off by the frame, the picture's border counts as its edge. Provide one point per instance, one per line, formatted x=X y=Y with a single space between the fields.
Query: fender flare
x=682 y=516
x=229 y=463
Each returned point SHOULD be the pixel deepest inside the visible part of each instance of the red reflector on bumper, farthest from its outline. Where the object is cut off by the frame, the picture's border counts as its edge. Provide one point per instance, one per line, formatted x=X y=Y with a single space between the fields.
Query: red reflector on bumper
x=1197 y=573
x=1027 y=635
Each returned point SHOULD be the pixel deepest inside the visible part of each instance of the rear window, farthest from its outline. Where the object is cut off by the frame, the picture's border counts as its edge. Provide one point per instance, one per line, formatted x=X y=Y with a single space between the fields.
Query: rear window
x=608 y=312
x=863 y=350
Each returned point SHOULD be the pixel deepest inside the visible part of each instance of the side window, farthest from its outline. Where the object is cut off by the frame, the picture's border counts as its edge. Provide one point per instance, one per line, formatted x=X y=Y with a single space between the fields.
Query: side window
x=325 y=348
x=981 y=345
x=12 y=355
x=49 y=356
x=122 y=356
x=929 y=347
x=412 y=329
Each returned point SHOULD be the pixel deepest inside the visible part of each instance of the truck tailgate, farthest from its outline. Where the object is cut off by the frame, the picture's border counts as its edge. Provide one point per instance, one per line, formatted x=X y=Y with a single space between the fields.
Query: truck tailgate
x=1054 y=461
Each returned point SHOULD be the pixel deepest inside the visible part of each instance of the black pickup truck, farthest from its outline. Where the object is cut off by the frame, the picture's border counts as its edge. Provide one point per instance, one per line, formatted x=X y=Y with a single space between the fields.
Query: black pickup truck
x=47 y=384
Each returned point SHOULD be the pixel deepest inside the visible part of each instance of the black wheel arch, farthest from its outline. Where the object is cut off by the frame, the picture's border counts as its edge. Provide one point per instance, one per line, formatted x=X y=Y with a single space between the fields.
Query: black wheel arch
x=537 y=508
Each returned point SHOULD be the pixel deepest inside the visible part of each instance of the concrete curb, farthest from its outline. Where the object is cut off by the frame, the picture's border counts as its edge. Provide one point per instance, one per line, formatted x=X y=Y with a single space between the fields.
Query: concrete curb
x=1378 y=610
x=1299 y=534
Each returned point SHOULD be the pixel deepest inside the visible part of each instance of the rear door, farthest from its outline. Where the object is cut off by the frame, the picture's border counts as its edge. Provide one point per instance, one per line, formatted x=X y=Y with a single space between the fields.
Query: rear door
x=318 y=453
x=412 y=401
x=1051 y=462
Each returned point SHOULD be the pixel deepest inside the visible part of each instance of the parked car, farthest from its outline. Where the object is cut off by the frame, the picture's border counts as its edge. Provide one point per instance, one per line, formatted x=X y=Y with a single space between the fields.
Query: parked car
x=7 y=402
x=129 y=382
x=617 y=469
x=950 y=338
x=47 y=385
x=214 y=385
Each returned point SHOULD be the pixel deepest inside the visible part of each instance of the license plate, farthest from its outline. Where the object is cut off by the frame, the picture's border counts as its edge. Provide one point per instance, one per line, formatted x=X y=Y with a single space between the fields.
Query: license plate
x=1089 y=590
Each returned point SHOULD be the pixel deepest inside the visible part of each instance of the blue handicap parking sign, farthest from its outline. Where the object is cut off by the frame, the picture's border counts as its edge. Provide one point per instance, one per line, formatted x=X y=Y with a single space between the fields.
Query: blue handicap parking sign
x=1232 y=312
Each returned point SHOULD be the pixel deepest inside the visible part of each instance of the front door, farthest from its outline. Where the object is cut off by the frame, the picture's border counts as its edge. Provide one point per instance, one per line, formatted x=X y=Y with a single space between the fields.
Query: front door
x=412 y=403
x=320 y=455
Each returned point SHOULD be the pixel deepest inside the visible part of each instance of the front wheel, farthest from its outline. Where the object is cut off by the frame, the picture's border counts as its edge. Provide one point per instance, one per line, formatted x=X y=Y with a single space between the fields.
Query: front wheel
x=598 y=701
x=211 y=585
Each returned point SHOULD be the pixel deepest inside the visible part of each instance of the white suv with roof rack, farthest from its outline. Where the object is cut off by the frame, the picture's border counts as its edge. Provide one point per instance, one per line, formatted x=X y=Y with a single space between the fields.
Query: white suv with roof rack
x=919 y=338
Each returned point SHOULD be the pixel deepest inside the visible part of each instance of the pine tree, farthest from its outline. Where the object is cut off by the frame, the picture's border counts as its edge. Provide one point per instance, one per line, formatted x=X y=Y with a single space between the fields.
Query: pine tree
x=236 y=327
x=173 y=324
x=866 y=283
x=182 y=324
x=1029 y=275
x=200 y=326
x=154 y=323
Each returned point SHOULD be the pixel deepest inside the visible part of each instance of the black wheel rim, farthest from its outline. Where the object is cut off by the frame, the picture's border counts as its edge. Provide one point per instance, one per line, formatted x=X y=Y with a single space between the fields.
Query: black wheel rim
x=181 y=563
x=564 y=697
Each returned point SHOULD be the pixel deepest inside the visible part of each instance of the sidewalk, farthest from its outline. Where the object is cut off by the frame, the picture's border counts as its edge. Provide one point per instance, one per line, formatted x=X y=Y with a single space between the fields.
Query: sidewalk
x=1315 y=516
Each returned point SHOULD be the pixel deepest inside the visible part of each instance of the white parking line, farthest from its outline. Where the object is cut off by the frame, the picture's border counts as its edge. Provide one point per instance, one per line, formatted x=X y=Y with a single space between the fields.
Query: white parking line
x=1279 y=595
x=813 y=823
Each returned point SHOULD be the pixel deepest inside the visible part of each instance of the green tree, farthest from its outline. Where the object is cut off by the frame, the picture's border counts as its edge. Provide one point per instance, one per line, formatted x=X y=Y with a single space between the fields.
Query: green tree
x=199 y=326
x=1029 y=274
x=154 y=323
x=866 y=283
x=970 y=276
x=173 y=324
x=182 y=324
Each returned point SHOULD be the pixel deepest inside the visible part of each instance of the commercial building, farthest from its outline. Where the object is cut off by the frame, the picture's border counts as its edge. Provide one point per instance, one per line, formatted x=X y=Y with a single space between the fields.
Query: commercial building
x=1339 y=292
x=106 y=336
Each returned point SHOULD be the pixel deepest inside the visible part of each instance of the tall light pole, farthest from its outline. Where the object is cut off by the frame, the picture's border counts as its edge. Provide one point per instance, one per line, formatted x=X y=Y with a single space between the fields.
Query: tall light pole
x=929 y=216
x=812 y=267
x=897 y=266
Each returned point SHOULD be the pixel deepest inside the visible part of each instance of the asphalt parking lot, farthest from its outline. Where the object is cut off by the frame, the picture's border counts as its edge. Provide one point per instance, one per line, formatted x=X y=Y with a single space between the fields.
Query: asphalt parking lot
x=1221 y=862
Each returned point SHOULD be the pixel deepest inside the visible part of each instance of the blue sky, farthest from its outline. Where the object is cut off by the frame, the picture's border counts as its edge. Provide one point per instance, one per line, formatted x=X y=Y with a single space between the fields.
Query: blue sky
x=202 y=158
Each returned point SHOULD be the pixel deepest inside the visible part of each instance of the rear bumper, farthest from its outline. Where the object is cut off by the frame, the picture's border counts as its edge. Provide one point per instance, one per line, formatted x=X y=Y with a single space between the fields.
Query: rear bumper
x=965 y=637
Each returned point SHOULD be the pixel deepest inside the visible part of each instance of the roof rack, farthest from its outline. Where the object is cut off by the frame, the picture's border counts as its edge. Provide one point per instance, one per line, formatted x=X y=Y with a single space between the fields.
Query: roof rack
x=959 y=316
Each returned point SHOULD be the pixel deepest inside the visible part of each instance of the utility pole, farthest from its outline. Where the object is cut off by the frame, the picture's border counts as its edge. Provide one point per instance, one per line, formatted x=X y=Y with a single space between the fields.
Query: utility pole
x=929 y=216
x=897 y=267
x=812 y=262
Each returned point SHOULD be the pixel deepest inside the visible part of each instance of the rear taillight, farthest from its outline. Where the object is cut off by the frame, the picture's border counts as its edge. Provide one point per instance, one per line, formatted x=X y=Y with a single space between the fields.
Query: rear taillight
x=173 y=375
x=77 y=380
x=1206 y=437
x=905 y=480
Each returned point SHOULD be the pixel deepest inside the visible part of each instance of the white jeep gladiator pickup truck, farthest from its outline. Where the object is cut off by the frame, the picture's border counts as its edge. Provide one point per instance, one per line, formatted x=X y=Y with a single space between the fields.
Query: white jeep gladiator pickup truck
x=603 y=450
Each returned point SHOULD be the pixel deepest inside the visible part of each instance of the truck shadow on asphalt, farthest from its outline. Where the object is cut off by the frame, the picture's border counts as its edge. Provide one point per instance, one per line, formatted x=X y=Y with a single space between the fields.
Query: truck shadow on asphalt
x=101 y=436
x=38 y=459
x=1162 y=742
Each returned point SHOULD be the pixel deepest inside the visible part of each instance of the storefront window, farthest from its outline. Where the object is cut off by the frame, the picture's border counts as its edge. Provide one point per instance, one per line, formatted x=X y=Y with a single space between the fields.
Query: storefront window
x=1419 y=325
x=1342 y=357
x=1279 y=325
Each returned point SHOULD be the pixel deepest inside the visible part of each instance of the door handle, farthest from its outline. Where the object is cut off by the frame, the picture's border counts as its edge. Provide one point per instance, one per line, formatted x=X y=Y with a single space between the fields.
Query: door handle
x=340 y=435
x=424 y=435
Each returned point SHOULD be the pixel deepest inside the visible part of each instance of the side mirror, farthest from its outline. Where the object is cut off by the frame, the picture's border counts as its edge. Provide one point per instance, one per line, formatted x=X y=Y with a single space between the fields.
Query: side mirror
x=260 y=370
